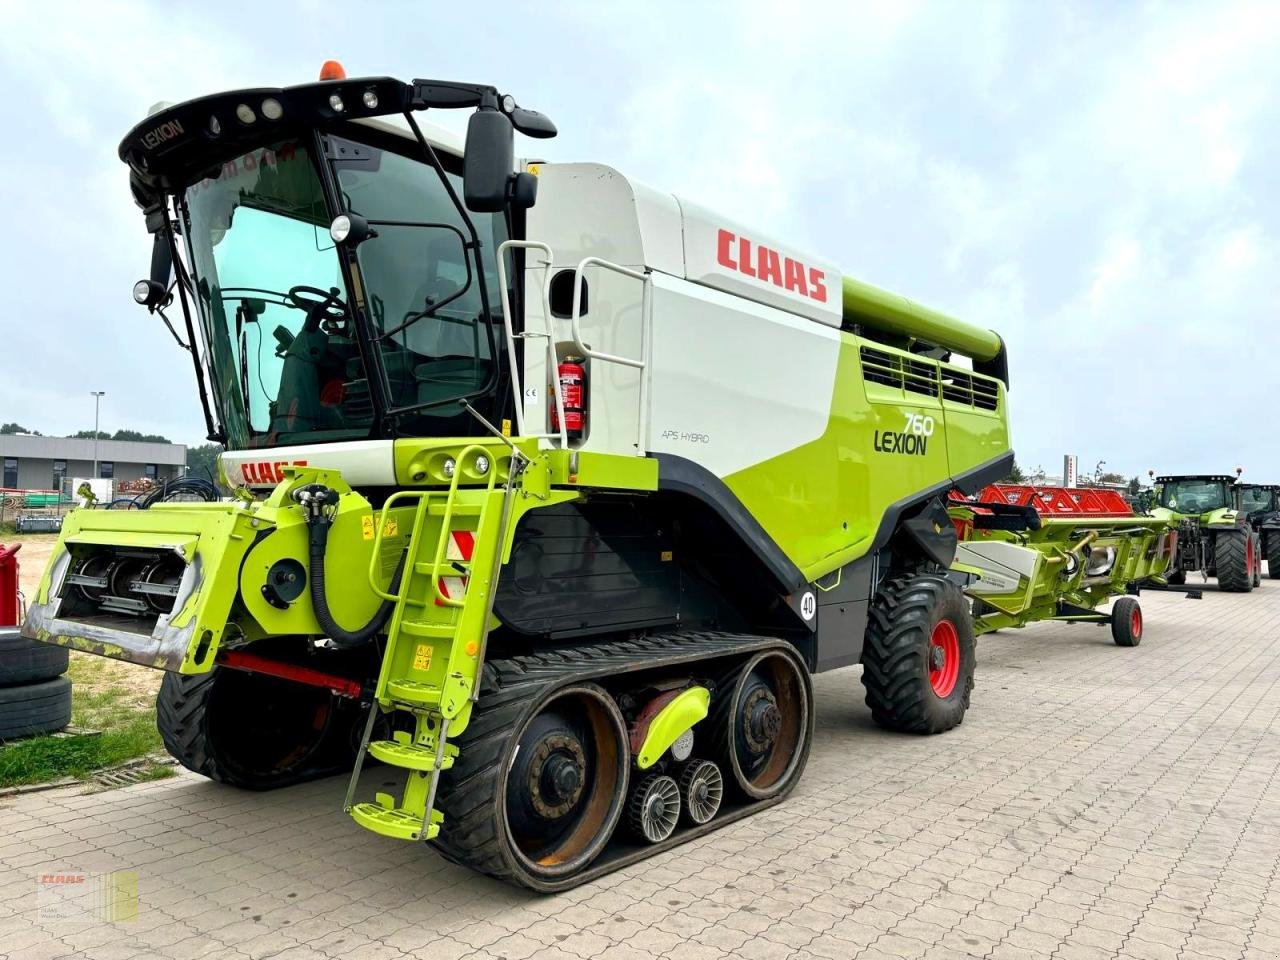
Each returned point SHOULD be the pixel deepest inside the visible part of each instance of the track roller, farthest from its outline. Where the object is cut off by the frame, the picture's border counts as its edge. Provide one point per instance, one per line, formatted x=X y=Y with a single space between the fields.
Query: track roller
x=654 y=809
x=701 y=790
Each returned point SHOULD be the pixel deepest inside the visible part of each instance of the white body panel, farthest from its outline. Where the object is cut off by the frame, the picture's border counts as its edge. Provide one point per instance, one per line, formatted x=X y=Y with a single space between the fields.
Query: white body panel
x=362 y=462
x=1006 y=567
x=739 y=369
x=735 y=382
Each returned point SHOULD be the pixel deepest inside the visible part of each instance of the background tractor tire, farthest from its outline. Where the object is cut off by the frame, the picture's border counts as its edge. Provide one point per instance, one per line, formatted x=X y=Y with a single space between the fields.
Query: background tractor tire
x=254 y=731
x=919 y=655
x=1177 y=578
x=28 y=661
x=35 y=708
x=1126 y=622
x=1234 y=560
x=1273 y=555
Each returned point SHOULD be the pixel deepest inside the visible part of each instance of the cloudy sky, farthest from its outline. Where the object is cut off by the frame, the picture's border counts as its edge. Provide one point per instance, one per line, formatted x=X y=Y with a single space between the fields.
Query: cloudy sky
x=1097 y=182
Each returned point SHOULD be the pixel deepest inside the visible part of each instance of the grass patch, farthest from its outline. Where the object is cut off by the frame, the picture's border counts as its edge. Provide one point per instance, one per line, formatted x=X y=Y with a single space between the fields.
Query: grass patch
x=117 y=699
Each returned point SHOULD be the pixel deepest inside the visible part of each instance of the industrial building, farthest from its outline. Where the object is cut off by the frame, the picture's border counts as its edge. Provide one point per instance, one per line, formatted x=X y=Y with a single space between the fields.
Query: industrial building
x=43 y=463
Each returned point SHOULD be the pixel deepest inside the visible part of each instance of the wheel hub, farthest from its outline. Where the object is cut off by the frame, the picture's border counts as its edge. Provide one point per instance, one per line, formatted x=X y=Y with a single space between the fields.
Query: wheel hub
x=761 y=720
x=557 y=774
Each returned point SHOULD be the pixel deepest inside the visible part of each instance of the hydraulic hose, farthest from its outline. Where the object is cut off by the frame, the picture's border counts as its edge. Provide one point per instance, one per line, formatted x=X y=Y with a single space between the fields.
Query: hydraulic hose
x=318 y=540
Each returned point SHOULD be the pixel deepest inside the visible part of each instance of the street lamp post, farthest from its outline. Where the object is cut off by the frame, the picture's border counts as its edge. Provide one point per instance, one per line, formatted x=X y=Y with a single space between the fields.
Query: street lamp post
x=97 y=398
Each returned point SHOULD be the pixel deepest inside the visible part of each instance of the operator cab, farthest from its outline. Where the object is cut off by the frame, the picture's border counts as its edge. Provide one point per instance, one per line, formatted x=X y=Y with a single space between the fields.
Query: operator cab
x=334 y=284
x=1196 y=494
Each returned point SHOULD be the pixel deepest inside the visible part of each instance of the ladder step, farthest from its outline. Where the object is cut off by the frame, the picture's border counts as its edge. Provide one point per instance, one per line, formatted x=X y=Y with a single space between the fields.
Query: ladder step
x=391 y=822
x=446 y=569
x=459 y=509
x=428 y=629
x=409 y=756
x=413 y=693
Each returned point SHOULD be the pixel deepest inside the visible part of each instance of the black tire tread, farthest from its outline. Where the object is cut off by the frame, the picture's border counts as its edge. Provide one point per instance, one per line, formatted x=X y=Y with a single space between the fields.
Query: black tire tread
x=29 y=661
x=893 y=668
x=1273 y=554
x=35 y=708
x=1122 y=623
x=1230 y=554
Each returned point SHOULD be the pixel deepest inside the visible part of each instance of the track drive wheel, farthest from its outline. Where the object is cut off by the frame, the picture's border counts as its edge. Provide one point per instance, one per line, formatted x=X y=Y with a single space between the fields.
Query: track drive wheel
x=762 y=721
x=254 y=731
x=1126 y=622
x=540 y=782
x=919 y=655
x=1234 y=557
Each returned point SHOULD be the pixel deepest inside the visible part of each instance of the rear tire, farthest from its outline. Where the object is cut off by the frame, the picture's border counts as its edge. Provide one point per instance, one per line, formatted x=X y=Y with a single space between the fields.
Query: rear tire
x=1273 y=554
x=35 y=708
x=1126 y=622
x=919 y=655
x=254 y=731
x=1257 y=561
x=29 y=661
x=1233 y=555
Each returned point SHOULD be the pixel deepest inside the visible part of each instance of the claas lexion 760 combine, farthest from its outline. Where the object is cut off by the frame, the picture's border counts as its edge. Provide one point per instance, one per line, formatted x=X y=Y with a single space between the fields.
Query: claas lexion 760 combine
x=553 y=489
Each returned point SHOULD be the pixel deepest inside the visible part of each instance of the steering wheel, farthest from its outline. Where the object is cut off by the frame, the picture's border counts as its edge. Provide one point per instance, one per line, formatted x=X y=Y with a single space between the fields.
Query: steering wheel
x=323 y=308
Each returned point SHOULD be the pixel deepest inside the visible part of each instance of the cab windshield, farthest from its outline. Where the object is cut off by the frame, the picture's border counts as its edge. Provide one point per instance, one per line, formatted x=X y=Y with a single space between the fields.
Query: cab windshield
x=289 y=363
x=1257 y=499
x=1193 y=496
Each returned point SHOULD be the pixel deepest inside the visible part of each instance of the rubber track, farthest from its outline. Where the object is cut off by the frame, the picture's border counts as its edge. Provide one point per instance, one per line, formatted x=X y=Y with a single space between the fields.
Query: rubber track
x=1229 y=558
x=509 y=691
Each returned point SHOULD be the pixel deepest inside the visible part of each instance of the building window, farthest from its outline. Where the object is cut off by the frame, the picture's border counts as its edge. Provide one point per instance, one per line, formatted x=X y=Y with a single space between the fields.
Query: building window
x=59 y=473
x=11 y=472
x=151 y=471
x=106 y=469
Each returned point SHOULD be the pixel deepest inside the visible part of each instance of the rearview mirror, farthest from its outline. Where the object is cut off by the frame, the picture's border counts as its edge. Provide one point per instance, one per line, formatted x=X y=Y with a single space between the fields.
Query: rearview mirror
x=488 y=162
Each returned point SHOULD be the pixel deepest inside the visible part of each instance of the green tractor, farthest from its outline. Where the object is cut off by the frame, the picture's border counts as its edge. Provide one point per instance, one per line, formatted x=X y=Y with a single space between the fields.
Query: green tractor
x=1261 y=503
x=1215 y=536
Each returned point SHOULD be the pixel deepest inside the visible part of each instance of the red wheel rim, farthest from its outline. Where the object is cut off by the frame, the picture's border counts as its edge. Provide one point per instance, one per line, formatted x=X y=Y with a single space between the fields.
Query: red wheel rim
x=944 y=658
x=1135 y=622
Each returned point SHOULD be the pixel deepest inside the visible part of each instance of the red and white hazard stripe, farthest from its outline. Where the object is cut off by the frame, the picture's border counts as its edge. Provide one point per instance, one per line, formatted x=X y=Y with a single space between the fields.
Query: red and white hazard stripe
x=461 y=545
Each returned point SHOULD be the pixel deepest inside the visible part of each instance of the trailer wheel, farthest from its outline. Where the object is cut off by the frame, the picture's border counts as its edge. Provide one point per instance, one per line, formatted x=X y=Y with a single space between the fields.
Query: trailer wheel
x=35 y=708
x=919 y=655
x=1234 y=559
x=27 y=661
x=1126 y=622
x=253 y=731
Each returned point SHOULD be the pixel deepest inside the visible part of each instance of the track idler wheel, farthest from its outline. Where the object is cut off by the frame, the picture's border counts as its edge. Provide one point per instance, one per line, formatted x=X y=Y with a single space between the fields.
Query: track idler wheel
x=654 y=809
x=762 y=719
x=566 y=784
x=701 y=790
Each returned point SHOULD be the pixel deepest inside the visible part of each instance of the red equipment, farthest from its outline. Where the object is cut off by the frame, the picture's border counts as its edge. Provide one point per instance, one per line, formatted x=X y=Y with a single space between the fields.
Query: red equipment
x=1054 y=501
x=573 y=393
x=9 y=585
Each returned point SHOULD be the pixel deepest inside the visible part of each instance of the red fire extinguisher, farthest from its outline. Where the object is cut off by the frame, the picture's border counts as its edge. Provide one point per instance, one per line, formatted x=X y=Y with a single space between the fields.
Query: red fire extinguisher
x=573 y=393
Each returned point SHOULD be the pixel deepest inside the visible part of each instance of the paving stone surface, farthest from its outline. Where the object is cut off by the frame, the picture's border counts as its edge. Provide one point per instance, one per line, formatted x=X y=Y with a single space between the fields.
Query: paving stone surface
x=1097 y=802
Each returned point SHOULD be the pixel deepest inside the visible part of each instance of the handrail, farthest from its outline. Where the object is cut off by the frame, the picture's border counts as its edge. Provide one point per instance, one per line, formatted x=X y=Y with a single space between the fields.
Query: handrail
x=509 y=332
x=646 y=333
x=446 y=524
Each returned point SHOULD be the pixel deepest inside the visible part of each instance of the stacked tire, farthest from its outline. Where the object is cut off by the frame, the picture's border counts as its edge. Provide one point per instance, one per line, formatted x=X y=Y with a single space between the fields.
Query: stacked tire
x=35 y=697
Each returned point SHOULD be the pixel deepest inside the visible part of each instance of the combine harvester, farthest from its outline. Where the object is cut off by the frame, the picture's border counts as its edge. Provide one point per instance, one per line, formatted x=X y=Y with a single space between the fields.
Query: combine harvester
x=554 y=506
x=1057 y=553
